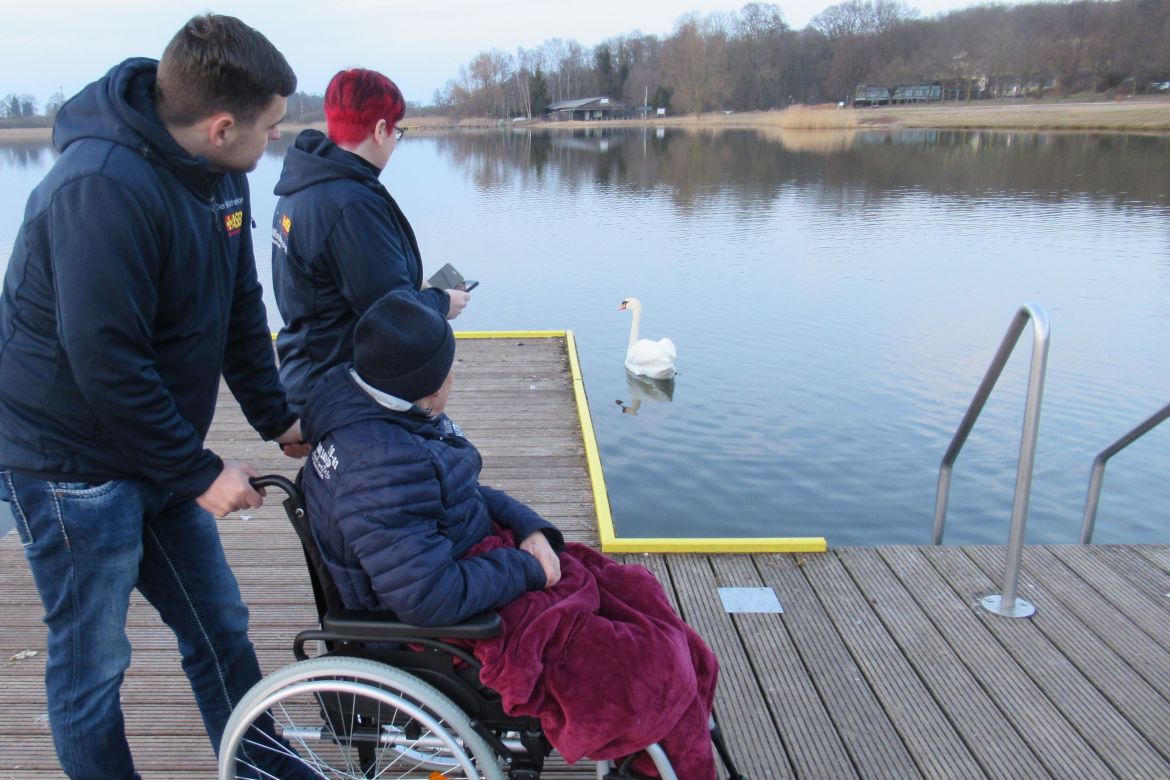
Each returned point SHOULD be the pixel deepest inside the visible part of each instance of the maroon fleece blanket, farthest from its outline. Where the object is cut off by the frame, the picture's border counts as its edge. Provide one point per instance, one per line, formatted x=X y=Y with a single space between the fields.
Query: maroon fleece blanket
x=605 y=663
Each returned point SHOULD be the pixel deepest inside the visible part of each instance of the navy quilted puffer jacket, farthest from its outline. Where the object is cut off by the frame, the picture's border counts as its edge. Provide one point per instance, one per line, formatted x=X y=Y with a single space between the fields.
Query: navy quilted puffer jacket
x=395 y=504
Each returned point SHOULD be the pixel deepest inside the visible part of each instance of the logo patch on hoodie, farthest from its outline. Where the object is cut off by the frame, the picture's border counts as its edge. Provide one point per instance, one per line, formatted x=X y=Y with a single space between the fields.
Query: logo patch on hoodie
x=324 y=461
x=280 y=237
x=233 y=222
x=451 y=428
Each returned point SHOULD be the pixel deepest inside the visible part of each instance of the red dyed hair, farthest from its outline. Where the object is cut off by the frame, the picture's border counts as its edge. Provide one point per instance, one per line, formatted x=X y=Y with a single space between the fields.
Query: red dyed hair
x=354 y=102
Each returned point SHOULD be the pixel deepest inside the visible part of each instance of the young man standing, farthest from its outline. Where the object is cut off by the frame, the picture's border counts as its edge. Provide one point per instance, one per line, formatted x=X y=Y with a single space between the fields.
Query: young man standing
x=131 y=289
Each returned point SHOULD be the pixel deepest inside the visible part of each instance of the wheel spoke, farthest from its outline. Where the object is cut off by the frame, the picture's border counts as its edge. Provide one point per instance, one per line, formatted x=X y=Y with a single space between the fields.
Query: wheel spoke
x=314 y=762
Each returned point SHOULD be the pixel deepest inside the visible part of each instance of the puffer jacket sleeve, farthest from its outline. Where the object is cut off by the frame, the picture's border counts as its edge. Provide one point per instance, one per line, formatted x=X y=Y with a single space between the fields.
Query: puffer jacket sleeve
x=518 y=517
x=389 y=511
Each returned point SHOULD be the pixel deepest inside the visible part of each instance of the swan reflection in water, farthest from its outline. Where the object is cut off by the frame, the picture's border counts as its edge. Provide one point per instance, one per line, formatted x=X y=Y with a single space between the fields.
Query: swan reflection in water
x=643 y=388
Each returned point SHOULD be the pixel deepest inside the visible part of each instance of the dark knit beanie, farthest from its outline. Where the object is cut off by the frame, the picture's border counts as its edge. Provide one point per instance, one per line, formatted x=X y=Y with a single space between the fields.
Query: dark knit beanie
x=402 y=347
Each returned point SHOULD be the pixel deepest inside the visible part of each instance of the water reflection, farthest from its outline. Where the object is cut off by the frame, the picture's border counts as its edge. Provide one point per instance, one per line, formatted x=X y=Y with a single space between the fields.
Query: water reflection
x=755 y=165
x=643 y=388
x=810 y=141
x=23 y=155
x=697 y=164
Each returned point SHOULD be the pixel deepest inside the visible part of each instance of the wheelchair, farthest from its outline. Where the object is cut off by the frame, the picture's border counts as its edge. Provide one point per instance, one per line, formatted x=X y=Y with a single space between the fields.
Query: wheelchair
x=384 y=699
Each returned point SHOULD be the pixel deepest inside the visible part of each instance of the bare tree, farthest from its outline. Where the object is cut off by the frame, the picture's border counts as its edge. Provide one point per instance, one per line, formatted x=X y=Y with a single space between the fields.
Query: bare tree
x=526 y=62
x=862 y=17
x=556 y=52
x=56 y=100
x=580 y=79
x=695 y=64
x=755 y=57
x=485 y=77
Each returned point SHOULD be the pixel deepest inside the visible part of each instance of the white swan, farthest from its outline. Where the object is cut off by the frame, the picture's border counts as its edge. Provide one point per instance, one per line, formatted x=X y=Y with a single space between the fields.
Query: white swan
x=654 y=359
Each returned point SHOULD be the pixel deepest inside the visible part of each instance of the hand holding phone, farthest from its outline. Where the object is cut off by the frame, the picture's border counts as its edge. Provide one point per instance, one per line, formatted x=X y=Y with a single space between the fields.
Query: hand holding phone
x=446 y=278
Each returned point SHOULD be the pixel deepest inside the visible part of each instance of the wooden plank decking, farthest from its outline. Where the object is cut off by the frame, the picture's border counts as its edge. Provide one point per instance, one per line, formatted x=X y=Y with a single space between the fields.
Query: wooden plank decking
x=882 y=665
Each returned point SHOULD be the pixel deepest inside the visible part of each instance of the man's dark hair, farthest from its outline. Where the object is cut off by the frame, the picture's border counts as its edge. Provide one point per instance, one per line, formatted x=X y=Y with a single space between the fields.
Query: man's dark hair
x=218 y=63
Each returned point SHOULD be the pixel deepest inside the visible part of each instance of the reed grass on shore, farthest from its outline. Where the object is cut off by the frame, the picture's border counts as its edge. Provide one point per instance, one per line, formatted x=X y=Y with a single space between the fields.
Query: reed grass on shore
x=823 y=117
x=25 y=133
x=1149 y=115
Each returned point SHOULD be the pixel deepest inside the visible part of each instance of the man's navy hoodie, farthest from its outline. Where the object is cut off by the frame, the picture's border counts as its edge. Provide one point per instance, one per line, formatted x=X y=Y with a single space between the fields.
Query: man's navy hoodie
x=131 y=288
x=339 y=243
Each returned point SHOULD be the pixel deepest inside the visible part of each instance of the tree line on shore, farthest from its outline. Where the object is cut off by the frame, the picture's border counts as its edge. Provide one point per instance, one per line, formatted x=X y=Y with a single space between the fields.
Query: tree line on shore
x=751 y=60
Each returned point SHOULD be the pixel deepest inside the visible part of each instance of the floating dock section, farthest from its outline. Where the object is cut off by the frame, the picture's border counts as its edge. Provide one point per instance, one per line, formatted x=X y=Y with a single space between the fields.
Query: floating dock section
x=852 y=663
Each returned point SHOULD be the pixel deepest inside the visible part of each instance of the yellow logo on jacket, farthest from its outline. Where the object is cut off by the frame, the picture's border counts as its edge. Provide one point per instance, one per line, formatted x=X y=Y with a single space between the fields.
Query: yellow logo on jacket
x=233 y=222
x=285 y=223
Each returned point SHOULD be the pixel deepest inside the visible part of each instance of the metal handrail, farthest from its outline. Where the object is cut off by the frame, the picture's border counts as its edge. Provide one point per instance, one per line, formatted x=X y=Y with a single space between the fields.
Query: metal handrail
x=1097 y=475
x=1007 y=603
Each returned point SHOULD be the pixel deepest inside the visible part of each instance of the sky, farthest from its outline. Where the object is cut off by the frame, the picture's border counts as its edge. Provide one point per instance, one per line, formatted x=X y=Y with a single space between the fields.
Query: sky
x=421 y=44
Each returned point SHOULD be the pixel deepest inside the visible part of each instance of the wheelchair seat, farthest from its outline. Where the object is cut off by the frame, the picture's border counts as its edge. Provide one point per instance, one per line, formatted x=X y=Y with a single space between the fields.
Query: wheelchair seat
x=386 y=699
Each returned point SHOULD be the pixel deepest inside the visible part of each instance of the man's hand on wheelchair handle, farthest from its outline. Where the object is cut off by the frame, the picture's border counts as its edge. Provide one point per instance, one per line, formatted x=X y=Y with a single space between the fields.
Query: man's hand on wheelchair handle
x=536 y=545
x=231 y=490
x=291 y=443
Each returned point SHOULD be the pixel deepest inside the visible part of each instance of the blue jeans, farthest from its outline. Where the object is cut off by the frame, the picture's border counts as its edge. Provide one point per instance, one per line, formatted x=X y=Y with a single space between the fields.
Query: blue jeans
x=89 y=546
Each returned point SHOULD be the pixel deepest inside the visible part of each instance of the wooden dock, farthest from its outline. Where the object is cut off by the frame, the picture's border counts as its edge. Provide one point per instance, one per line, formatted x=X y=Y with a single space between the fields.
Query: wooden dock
x=882 y=664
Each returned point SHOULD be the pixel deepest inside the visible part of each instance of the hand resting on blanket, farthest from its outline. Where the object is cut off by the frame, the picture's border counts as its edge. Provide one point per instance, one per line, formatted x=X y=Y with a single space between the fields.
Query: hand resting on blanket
x=536 y=544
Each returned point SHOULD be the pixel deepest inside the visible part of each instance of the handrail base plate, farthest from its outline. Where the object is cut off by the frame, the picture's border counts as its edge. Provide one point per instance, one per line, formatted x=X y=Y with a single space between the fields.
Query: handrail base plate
x=1020 y=609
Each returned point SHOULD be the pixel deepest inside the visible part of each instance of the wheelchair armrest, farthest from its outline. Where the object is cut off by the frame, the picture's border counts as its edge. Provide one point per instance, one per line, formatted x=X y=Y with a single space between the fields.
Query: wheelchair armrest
x=376 y=626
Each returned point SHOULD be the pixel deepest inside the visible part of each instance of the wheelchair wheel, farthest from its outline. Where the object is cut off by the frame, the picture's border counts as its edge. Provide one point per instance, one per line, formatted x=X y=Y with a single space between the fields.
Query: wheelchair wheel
x=348 y=718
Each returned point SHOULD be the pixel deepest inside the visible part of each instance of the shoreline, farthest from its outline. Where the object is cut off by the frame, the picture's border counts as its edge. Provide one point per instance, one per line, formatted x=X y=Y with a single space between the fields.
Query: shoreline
x=1141 y=115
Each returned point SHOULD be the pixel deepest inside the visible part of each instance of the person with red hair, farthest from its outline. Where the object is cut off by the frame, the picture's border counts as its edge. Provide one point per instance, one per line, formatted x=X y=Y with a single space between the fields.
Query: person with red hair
x=339 y=240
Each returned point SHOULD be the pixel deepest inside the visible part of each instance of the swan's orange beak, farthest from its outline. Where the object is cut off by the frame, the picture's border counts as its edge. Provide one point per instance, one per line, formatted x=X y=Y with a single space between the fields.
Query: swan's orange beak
x=622 y=306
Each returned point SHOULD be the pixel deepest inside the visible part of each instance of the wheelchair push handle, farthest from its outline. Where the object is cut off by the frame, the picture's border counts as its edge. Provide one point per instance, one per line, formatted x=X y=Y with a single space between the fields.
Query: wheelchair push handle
x=275 y=480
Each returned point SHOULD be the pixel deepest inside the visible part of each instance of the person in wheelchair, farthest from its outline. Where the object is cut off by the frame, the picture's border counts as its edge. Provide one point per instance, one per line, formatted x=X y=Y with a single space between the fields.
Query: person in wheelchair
x=589 y=646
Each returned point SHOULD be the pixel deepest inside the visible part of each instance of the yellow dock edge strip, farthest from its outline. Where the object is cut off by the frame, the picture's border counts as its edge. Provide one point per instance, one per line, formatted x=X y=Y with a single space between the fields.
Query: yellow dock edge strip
x=609 y=541
x=509 y=334
x=501 y=334
x=762 y=544
x=592 y=453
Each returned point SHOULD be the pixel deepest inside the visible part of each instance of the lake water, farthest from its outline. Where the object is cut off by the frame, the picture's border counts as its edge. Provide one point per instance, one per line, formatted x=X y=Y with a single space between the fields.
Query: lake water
x=835 y=302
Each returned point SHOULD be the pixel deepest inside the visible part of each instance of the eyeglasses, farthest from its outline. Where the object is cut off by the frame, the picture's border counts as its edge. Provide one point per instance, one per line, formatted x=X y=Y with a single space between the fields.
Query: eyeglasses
x=399 y=132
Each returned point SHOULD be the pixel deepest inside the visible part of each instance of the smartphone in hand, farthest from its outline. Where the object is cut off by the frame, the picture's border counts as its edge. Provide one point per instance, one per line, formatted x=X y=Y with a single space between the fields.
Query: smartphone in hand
x=469 y=285
x=446 y=278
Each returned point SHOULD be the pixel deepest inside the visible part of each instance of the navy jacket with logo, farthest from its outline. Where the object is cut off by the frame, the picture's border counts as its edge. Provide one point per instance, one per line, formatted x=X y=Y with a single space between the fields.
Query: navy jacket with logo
x=131 y=288
x=339 y=243
x=395 y=503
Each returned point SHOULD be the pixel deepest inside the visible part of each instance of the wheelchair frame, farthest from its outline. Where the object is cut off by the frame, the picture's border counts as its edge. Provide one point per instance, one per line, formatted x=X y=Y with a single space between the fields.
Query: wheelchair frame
x=387 y=699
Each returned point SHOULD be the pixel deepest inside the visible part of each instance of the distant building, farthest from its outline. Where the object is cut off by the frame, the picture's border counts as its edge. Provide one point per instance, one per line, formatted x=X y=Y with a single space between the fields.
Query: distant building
x=866 y=95
x=1012 y=86
x=587 y=109
x=917 y=93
